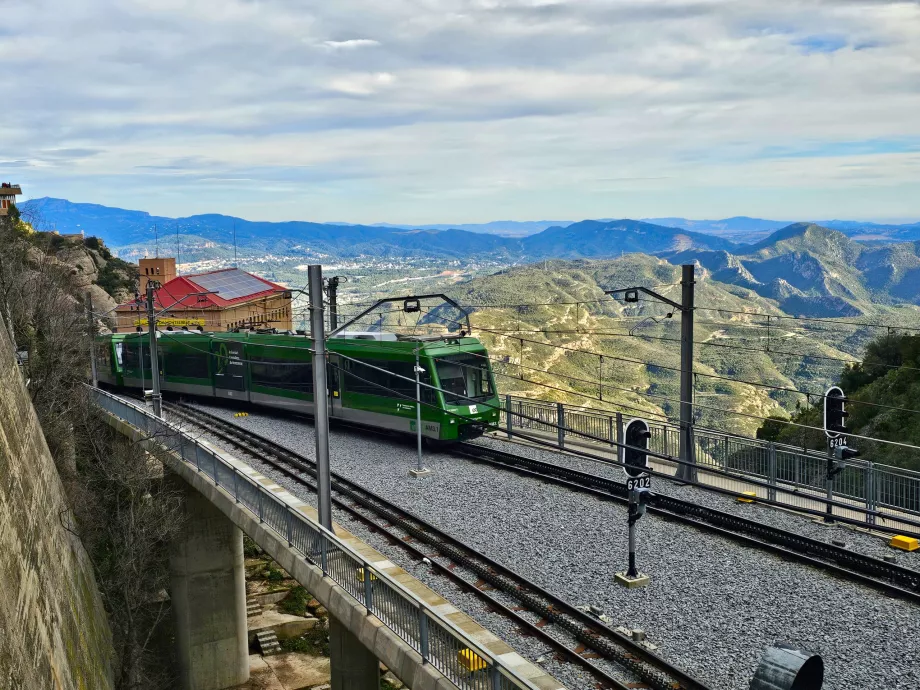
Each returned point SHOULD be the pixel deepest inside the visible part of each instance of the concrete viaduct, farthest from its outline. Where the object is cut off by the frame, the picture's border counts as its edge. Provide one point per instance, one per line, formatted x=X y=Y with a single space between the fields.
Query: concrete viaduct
x=377 y=611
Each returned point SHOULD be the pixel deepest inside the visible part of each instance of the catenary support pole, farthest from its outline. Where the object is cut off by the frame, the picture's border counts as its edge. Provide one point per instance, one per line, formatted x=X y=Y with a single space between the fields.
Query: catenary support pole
x=420 y=469
x=154 y=360
x=418 y=408
x=686 y=470
x=91 y=330
x=320 y=395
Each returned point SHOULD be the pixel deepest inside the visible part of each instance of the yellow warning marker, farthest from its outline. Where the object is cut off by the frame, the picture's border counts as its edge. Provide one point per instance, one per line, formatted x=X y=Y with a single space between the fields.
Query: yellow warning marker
x=240 y=414
x=747 y=497
x=904 y=543
x=360 y=572
x=470 y=660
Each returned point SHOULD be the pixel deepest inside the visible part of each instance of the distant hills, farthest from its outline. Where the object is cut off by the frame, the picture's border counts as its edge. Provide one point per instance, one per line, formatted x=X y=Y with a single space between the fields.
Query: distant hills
x=809 y=270
x=734 y=338
x=804 y=268
x=122 y=228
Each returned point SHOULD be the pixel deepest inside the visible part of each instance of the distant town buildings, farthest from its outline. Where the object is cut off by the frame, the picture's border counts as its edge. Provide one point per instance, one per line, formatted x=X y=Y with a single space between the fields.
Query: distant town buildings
x=213 y=301
x=8 y=194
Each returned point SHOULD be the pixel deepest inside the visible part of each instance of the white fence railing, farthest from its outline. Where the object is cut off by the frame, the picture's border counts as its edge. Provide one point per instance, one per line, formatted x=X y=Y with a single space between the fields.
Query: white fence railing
x=792 y=470
x=436 y=639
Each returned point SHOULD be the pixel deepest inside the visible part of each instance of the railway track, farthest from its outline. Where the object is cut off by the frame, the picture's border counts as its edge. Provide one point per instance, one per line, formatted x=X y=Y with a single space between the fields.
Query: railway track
x=575 y=635
x=895 y=580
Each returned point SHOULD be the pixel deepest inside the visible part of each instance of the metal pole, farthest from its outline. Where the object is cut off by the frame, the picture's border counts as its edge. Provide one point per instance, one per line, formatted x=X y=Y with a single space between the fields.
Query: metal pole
x=91 y=329
x=771 y=470
x=333 y=286
x=320 y=399
x=560 y=425
x=686 y=471
x=418 y=410
x=154 y=363
x=619 y=436
x=632 y=571
x=829 y=485
x=508 y=421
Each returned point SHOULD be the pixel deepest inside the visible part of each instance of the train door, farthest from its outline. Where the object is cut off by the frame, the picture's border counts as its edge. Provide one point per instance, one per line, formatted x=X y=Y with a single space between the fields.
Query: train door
x=229 y=370
x=334 y=384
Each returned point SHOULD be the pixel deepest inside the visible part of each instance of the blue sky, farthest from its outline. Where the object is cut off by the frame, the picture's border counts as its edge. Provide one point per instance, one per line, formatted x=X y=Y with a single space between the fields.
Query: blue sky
x=466 y=110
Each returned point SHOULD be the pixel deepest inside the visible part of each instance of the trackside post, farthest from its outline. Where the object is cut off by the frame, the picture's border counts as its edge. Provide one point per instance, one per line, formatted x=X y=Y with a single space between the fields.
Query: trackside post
x=320 y=395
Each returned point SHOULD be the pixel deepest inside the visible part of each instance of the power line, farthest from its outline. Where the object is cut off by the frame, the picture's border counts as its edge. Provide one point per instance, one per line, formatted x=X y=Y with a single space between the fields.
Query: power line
x=810 y=318
x=548 y=386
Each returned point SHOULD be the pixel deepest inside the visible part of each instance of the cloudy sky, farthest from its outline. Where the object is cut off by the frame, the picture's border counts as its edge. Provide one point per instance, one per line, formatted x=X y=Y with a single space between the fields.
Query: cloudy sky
x=466 y=110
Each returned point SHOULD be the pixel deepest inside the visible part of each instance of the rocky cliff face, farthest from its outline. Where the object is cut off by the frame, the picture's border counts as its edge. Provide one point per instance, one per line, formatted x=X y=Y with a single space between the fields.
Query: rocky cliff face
x=55 y=634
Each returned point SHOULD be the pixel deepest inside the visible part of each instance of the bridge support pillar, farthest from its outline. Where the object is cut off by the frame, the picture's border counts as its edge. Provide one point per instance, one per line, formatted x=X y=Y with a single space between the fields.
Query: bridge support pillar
x=353 y=666
x=208 y=592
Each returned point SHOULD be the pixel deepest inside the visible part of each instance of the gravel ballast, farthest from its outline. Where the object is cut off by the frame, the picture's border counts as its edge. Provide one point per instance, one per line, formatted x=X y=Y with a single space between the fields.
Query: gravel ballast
x=712 y=605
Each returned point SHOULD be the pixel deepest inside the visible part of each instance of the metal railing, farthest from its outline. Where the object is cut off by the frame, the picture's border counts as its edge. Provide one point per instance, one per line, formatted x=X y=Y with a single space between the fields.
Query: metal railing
x=795 y=473
x=439 y=642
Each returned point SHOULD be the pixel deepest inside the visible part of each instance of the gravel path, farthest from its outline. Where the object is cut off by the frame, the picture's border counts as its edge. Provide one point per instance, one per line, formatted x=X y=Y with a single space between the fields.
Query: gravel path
x=712 y=605
x=857 y=539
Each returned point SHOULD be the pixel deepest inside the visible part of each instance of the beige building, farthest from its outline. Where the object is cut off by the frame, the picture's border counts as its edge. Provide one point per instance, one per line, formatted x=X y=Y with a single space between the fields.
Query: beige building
x=213 y=301
x=8 y=194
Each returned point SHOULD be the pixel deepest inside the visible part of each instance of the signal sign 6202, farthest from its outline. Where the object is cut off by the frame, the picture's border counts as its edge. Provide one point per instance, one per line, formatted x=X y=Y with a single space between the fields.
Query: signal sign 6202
x=638 y=483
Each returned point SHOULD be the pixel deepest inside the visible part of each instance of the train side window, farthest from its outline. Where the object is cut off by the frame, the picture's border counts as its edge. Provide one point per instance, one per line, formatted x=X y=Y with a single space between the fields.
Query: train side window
x=281 y=373
x=364 y=376
x=185 y=363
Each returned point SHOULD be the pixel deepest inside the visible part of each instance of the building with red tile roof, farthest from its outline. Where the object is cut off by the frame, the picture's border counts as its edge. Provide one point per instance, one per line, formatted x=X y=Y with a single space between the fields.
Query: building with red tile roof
x=213 y=301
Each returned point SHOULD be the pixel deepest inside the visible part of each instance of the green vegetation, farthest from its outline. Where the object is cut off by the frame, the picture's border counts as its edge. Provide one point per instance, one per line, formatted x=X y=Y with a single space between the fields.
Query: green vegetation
x=251 y=549
x=733 y=345
x=889 y=375
x=117 y=276
x=314 y=641
x=296 y=602
x=97 y=245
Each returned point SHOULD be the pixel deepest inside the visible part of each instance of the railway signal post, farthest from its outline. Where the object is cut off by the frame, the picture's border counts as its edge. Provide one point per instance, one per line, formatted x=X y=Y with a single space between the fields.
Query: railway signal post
x=320 y=396
x=687 y=468
x=157 y=397
x=835 y=416
x=638 y=483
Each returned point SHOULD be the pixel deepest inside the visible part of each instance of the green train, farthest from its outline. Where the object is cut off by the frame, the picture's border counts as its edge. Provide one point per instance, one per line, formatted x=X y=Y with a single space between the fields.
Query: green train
x=275 y=370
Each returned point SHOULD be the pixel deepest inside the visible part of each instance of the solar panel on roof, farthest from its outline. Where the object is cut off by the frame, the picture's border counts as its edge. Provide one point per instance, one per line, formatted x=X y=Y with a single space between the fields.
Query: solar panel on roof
x=230 y=284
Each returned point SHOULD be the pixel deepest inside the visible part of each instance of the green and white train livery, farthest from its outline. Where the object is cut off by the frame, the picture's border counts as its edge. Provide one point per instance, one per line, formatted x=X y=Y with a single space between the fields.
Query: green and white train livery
x=370 y=376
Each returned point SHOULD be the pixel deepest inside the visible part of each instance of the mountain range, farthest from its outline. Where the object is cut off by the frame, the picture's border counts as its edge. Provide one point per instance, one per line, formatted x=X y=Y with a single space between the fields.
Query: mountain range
x=806 y=269
x=120 y=228
x=810 y=270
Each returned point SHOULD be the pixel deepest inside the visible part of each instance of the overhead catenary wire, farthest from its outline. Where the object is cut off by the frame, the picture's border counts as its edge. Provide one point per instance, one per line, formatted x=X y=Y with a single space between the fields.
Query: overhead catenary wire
x=638 y=393
x=807 y=394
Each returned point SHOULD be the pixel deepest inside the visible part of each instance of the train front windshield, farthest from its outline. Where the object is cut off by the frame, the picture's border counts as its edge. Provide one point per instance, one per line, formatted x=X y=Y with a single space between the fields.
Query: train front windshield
x=464 y=377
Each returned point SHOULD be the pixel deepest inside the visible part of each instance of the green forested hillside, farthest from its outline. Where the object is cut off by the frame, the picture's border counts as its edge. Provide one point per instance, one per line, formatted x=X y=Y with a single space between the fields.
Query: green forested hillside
x=572 y=311
x=888 y=377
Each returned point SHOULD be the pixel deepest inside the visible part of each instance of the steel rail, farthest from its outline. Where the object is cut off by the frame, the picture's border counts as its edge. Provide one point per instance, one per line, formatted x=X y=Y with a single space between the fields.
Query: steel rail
x=586 y=629
x=891 y=578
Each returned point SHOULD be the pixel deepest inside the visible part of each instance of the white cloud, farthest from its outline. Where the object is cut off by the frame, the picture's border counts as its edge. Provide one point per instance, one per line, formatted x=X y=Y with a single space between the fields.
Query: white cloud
x=350 y=44
x=464 y=109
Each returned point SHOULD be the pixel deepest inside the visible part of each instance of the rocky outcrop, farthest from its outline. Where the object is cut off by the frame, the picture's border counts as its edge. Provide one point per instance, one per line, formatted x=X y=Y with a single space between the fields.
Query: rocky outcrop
x=55 y=635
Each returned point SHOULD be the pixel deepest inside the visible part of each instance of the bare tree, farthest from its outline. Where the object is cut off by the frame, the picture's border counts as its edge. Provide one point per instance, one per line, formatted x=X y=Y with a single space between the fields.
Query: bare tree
x=122 y=510
x=126 y=514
